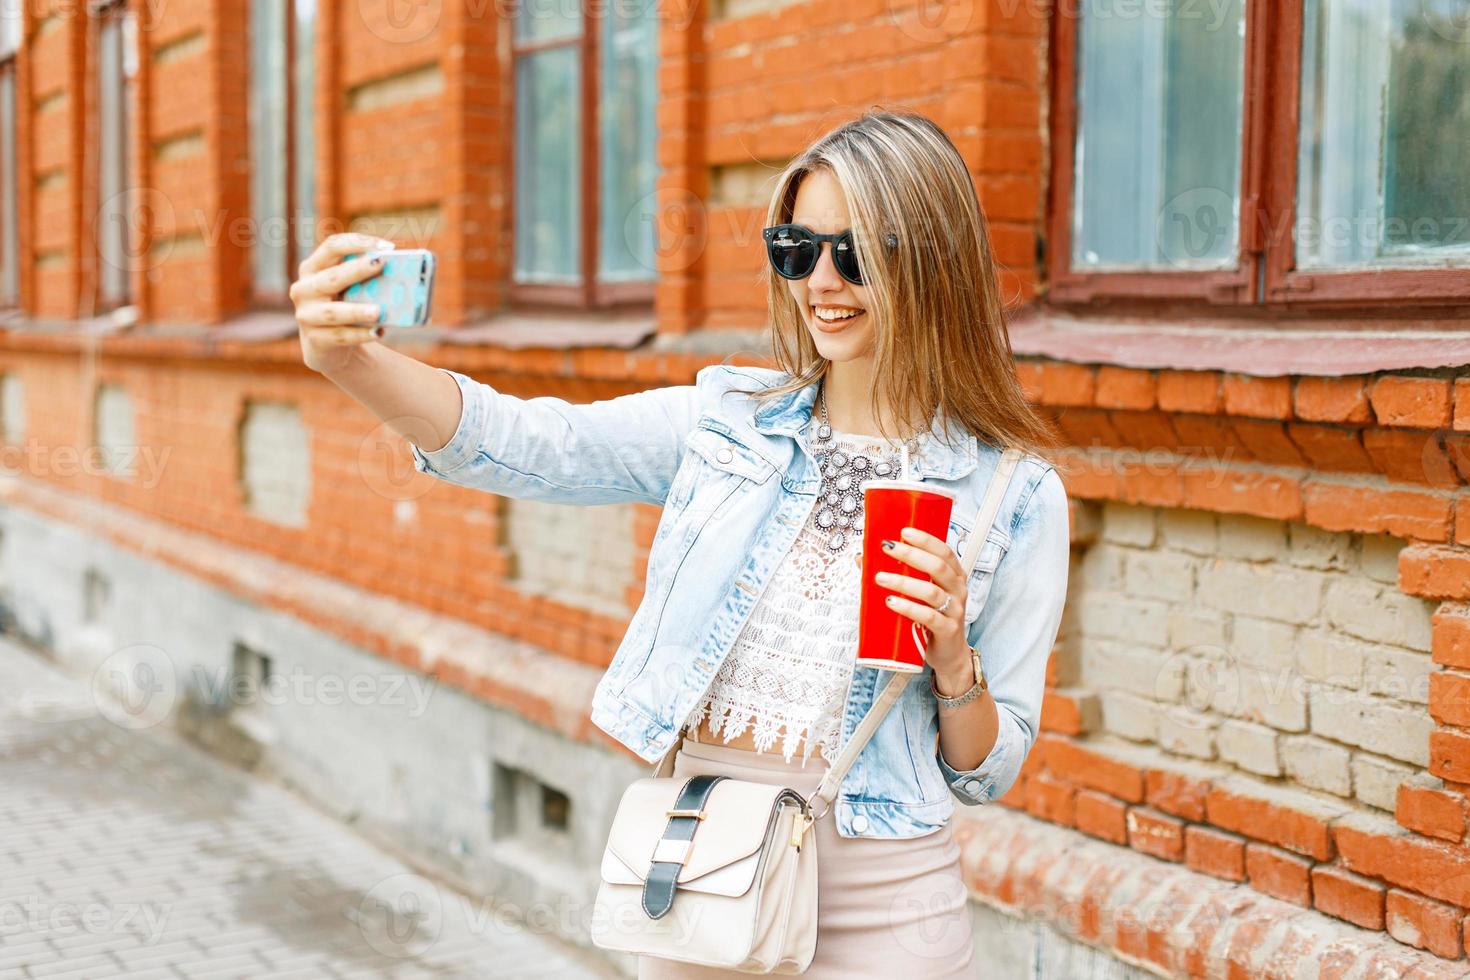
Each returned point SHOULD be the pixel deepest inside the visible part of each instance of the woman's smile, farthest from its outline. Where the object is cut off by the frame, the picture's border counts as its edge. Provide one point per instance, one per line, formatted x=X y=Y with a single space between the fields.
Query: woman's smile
x=832 y=318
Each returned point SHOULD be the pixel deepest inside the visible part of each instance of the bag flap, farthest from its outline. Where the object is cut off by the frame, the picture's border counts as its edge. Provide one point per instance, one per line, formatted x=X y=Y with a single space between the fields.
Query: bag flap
x=737 y=818
x=733 y=880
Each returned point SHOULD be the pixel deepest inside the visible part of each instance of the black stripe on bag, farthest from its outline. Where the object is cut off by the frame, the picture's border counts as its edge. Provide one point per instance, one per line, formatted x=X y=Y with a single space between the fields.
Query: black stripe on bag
x=684 y=819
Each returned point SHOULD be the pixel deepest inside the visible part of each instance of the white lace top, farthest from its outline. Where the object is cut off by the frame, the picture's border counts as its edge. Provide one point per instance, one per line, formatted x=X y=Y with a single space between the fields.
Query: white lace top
x=787 y=674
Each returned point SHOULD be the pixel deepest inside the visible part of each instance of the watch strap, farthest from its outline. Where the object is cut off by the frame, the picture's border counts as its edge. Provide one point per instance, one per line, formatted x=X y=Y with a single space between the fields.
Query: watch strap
x=980 y=684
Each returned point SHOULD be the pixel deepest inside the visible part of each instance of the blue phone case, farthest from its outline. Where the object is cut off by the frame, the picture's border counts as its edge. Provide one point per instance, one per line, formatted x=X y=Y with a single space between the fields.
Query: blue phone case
x=403 y=288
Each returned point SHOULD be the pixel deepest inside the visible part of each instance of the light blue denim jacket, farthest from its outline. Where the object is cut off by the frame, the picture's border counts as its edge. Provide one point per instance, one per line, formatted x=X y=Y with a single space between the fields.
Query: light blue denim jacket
x=736 y=484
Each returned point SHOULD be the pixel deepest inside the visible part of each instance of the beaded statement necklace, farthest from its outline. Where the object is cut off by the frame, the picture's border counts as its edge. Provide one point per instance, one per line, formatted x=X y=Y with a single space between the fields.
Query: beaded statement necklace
x=840 y=510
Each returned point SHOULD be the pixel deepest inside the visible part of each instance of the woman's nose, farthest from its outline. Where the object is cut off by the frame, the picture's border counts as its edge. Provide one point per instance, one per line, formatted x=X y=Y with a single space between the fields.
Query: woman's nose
x=824 y=277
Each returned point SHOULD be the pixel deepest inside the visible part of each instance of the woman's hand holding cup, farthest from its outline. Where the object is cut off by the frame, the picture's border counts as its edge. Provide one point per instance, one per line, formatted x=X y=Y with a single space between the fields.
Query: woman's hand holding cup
x=333 y=331
x=948 y=649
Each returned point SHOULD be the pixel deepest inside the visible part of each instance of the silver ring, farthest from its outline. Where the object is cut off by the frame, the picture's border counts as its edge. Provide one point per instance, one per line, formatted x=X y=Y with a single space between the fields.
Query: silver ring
x=943 y=606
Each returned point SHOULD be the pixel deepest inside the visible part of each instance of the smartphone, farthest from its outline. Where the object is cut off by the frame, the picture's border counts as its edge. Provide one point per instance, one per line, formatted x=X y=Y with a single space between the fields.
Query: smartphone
x=403 y=287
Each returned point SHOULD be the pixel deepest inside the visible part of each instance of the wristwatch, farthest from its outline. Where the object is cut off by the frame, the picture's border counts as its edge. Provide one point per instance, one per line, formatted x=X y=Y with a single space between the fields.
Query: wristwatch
x=980 y=684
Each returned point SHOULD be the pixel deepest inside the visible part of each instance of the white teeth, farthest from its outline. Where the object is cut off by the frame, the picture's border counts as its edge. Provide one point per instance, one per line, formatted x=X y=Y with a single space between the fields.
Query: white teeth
x=830 y=314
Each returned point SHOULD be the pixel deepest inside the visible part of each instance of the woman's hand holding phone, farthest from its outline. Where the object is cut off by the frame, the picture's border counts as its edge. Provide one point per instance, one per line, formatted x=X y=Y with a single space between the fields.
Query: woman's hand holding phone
x=416 y=400
x=333 y=331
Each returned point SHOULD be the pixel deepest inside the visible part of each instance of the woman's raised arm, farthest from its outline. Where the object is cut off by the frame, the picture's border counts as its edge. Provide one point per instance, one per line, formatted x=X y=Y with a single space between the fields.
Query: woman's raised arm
x=461 y=430
x=615 y=450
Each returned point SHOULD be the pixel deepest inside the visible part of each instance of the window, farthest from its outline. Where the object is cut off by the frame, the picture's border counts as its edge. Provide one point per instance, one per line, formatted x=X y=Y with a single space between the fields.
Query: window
x=10 y=30
x=1255 y=152
x=1384 y=136
x=1159 y=132
x=282 y=142
x=116 y=70
x=585 y=98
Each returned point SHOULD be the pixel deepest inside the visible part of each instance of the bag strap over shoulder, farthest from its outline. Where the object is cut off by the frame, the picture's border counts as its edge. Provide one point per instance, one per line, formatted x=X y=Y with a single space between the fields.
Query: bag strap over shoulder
x=970 y=553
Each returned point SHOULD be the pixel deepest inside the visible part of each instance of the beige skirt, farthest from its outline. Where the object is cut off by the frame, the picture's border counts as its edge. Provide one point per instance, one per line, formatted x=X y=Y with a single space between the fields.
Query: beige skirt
x=884 y=906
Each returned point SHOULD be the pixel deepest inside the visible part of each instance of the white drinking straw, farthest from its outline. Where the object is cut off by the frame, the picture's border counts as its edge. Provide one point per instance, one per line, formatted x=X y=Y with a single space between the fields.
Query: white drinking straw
x=903 y=455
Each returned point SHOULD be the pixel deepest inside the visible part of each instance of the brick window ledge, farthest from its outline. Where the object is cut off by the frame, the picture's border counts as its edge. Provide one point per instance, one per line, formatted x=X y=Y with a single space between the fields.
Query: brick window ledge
x=614 y=349
x=510 y=331
x=1263 y=347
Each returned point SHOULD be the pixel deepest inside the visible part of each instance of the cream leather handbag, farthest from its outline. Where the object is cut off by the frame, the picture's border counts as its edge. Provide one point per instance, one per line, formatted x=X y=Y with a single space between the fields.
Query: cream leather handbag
x=722 y=872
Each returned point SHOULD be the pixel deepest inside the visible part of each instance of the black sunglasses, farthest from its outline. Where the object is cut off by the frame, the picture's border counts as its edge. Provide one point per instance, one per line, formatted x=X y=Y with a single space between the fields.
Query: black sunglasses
x=793 y=251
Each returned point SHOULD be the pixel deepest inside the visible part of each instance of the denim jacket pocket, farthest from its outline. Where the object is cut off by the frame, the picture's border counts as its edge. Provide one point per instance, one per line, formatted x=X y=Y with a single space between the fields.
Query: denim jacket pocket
x=724 y=451
x=716 y=464
x=715 y=468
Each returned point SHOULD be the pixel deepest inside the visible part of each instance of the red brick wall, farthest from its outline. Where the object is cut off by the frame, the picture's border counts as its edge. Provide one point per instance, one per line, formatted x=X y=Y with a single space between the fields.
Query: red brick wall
x=52 y=145
x=777 y=81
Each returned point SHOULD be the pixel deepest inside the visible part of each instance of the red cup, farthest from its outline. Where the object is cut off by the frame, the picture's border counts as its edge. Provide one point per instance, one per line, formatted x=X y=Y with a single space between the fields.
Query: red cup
x=886 y=639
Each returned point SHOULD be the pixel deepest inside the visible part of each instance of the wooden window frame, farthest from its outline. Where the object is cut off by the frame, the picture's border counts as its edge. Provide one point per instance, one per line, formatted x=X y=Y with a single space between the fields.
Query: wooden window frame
x=1284 y=283
x=1266 y=272
x=590 y=293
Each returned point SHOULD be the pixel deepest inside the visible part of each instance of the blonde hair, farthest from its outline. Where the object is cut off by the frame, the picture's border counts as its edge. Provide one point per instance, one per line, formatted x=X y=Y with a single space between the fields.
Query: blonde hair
x=941 y=345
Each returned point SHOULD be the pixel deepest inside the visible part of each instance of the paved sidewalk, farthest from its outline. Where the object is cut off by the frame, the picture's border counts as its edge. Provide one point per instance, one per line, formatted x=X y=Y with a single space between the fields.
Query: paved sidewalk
x=129 y=853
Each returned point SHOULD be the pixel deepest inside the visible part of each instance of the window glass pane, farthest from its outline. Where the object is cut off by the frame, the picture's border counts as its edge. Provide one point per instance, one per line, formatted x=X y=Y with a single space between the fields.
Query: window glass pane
x=547 y=164
x=629 y=93
x=1160 y=88
x=114 y=94
x=10 y=11
x=1385 y=119
x=9 y=233
x=545 y=20
x=303 y=107
x=268 y=144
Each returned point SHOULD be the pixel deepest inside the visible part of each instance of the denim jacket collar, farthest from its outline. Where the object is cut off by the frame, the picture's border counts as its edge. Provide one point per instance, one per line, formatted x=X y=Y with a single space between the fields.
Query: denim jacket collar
x=791 y=414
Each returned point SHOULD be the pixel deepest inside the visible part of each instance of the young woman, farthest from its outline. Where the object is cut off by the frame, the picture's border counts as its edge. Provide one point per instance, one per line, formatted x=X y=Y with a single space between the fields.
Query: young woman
x=888 y=331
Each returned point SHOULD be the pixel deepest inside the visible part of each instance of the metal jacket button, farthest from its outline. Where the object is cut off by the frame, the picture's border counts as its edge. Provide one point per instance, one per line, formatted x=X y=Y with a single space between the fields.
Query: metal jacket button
x=859 y=823
x=724 y=455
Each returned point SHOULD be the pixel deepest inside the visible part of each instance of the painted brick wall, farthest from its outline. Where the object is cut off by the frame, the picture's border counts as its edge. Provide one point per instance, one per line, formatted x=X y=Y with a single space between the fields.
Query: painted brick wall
x=579 y=556
x=1269 y=647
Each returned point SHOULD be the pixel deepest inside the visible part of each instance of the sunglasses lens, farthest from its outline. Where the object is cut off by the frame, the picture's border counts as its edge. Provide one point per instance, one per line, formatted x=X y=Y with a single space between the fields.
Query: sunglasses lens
x=844 y=258
x=792 y=254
